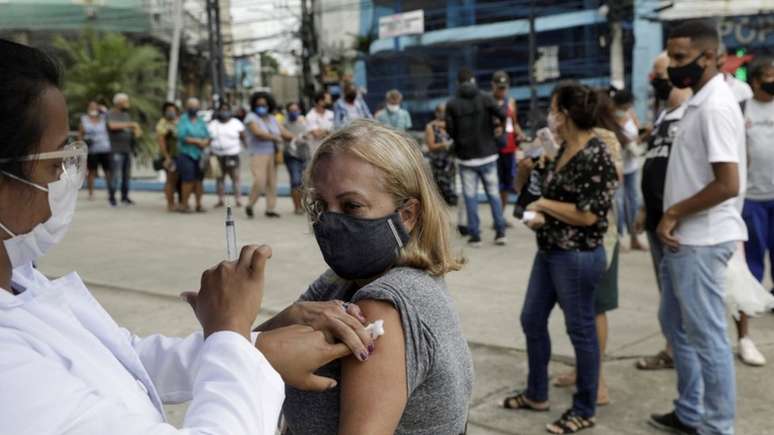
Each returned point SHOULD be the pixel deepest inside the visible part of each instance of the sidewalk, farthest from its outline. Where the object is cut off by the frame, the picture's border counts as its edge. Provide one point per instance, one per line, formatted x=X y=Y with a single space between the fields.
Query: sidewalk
x=138 y=259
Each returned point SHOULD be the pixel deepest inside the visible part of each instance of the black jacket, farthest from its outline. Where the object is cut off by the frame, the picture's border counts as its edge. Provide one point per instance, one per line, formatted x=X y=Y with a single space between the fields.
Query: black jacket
x=470 y=122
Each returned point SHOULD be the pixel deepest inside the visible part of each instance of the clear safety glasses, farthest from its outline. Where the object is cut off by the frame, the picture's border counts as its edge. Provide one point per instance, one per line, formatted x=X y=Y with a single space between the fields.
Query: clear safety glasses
x=68 y=163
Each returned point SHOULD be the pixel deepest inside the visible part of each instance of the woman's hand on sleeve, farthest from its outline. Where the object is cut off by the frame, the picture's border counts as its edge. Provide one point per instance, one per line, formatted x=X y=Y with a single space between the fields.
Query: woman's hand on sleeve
x=338 y=321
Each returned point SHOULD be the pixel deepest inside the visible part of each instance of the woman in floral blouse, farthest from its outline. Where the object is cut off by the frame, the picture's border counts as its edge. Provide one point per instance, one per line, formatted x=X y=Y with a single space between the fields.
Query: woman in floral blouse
x=570 y=221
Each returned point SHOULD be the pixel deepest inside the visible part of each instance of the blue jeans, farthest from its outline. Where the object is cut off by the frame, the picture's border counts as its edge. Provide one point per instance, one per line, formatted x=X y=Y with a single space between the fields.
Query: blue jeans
x=759 y=217
x=295 y=168
x=569 y=278
x=122 y=163
x=488 y=175
x=693 y=319
x=627 y=202
x=656 y=254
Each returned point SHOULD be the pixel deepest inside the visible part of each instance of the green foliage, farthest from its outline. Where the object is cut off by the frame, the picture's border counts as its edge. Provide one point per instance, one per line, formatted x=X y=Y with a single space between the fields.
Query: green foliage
x=99 y=65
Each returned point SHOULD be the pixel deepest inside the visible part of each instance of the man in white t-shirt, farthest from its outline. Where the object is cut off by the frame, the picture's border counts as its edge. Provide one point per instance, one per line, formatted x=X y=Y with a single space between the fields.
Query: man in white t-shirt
x=759 y=204
x=319 y=120
x=700 y=229
x=228 y=135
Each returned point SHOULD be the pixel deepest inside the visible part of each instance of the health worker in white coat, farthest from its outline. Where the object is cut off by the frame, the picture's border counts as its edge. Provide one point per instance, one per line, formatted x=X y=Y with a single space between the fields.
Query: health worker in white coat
x=65 y=366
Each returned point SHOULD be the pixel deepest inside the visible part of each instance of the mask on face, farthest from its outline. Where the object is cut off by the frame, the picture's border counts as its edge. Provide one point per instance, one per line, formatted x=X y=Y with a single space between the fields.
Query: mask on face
x=261 y=111
x=293 y=116
x=224 y=115
x=350 y=96
x=661 y=87
x=393 y=107
x=357 y=248
x=768 y=87
x=170 y=116
x=553 y=124
x=688 y=75
x=93 y=113
x=192 y=112
x=62 y=198
x=328 y=106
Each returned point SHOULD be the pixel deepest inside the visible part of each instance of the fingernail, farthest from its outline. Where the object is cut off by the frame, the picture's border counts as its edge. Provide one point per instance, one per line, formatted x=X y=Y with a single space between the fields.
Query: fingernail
x=363 y=356
x=332 y=385
x=370 y=348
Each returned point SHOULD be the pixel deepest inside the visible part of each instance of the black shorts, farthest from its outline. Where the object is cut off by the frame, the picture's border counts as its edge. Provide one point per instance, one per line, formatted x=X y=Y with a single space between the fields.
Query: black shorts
x=506 y=171
x=188 y=169
x=94 y=161
x=229 y=163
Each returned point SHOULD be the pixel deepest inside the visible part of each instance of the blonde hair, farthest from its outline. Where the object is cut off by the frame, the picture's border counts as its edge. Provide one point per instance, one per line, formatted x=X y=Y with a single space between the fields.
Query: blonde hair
x=404 y=176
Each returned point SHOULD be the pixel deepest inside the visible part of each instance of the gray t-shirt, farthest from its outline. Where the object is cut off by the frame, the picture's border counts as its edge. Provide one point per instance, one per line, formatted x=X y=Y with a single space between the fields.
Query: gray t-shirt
x=120 y=140
x=439 y=368
x=256 y=146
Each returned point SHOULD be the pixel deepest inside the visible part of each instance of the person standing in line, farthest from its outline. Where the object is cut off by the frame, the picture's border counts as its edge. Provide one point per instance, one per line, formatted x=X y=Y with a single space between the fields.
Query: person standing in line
x=350 y=107
x=166 y=136
x=393 y=114
x=442 y=163
x=264 y=137
x=228 y=135
x=93 y=130
x=319 y=120
x=606 y=294
x=192 y=137
x=627 y=198
x=123 y=133
x=296 y=153
x=508 y=136
x=470 y=121
x=654 y=170
x=759 y=205
x=700 y=228
x=570 y=221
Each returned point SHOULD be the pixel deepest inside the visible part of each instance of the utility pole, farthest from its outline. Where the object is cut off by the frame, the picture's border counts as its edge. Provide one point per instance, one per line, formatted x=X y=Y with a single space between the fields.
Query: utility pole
x=308 y=44
x=219 y=48
x=532 y=58
x=174 y=51
x=216 y=91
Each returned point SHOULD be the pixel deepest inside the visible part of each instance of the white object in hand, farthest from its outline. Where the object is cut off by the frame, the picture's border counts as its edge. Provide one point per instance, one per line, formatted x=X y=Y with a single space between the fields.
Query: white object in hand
x=376 y=329
x=528 y=216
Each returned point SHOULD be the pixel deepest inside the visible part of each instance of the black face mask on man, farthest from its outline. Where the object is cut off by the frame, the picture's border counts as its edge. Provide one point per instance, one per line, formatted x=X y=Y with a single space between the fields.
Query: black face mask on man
x=358 y=248
x=661 y=87
x=688 y=75
x=768 y=87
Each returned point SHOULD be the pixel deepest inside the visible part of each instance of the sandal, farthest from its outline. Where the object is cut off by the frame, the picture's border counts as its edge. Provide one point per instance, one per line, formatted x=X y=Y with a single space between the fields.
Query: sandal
x=660 y=361
x=570 y=422
x=519 y=401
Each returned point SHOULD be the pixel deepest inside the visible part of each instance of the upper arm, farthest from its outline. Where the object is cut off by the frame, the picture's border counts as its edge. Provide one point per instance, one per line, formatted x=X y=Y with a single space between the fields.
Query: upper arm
x=374 y=393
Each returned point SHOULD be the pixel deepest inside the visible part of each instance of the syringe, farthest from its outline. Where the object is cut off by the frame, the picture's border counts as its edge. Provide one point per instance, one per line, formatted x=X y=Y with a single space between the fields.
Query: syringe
x=231 y=244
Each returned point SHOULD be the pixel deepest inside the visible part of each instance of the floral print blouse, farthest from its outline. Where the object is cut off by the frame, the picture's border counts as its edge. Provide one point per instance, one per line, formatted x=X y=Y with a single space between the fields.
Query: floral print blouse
x=588 y=180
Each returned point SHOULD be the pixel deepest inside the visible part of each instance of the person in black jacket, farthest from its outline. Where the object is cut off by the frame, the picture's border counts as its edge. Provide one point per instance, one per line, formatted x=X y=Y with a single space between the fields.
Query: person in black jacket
x=470 y=121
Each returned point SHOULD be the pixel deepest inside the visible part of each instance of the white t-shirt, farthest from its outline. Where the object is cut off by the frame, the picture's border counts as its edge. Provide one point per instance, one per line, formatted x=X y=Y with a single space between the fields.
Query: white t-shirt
x=225 y=137
x=315 y=121
x=631 y=159
x=711 y=131
x=740 y=89
x=759 y=123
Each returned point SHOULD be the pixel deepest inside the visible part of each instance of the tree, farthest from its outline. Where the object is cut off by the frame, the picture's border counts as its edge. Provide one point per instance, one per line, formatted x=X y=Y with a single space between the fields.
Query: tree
x=99 y=65
x=269 y=68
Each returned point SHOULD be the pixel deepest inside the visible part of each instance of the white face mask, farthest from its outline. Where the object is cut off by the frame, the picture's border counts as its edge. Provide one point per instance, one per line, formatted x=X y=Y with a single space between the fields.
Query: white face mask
x=393 y=107
x=26 y=248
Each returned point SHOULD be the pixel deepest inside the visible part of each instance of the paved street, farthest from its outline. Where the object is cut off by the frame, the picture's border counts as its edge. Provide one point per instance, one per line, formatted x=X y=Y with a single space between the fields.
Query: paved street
x=138 y=259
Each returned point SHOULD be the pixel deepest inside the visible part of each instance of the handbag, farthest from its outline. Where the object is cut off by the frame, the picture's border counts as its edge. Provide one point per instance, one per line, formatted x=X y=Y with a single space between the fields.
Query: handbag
x=210 y=165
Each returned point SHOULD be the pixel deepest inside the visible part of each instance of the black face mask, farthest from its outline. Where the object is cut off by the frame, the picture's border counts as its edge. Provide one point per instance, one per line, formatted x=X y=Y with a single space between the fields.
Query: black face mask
x=688 y=75
x=768 y=87
x=357 y=248
x=350 y=96
x=661 y=87
x=192 y=112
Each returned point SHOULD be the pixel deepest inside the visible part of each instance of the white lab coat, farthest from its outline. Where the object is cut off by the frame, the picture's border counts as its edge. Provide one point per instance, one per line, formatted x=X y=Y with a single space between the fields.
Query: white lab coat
x=67 y=367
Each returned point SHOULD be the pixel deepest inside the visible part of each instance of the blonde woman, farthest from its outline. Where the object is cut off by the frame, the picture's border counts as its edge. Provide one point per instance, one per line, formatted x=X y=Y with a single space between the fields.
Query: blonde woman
x=383 y=230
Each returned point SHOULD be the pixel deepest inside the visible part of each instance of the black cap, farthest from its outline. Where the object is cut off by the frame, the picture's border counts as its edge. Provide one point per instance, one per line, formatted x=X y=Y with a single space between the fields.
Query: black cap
x=500 y=78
